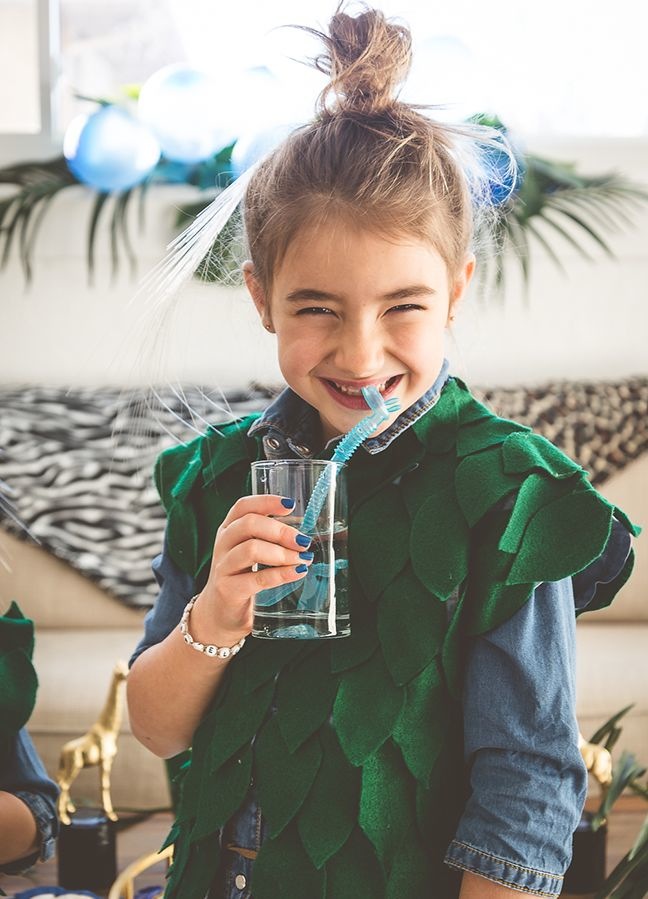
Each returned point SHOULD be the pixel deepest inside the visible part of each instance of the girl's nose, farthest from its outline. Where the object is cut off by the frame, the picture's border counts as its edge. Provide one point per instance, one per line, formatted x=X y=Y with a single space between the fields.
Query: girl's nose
x=359 y=352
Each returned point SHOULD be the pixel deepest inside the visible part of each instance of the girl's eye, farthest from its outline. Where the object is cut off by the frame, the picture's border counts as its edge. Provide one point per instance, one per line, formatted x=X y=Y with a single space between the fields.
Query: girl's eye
x=406 y=307
x=314 y=310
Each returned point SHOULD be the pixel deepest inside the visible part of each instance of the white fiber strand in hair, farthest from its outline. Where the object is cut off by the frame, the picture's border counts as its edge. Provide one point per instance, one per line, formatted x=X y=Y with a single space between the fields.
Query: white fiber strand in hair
x=188 y=249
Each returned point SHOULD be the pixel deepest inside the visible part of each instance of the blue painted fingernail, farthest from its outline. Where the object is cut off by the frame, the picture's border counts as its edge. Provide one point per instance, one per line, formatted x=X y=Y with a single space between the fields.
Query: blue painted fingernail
x=300 y=569
x=303 y=540
x=308 y=557
x=288 y=503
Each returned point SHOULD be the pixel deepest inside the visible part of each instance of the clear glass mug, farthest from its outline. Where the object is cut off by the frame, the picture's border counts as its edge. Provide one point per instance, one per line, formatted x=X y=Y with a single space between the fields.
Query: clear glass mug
x=316 y=605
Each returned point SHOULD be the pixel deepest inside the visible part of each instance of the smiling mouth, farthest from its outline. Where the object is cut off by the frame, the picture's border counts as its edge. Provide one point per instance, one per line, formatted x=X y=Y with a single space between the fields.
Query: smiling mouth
x=357 y=391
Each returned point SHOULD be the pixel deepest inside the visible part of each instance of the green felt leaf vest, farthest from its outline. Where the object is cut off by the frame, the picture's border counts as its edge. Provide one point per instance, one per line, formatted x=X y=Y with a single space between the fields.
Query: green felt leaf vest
x=355 y=745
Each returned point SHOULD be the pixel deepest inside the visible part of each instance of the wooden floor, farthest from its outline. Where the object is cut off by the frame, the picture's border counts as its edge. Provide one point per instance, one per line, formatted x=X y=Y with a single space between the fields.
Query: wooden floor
x=147 y=836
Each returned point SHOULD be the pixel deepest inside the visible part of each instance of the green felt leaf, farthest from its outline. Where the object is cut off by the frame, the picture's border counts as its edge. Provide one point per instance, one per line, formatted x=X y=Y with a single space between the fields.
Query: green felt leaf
x=236 y=720
x=409 y=616
x=354 y=872
x=412 y=871
x=536 y=491
x=481 y=482
x=283 y=870
x=18 y=685
x=330 y=811
x=182 y=535
x=620 y=514
x=562 y=538
x=439 y=543
x=202 y=865
x=526 y=451
x=387 y=802
x=223 y=793
x=362 y=643
x=265 y=660
x=429 y=479
x=419 y=730
x=176 y=872
x=305 y=695
x=376 y=552
x=16 y=631
x=453 y=650
x=437 y=429
x=484 y=433
x=283 y=778
x=448 y=788
x=371 y=689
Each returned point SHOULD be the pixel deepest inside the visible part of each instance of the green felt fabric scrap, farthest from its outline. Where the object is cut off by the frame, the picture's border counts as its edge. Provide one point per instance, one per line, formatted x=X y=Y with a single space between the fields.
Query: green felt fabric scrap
x=283 y=870
x=377 y=552
x=203 y=861
x=236 y=720
x=305 y=694
x=18 y=681
x=409 y=616
x=633 y=528
x=16 y=631
x=283 y=778
x=387 y=802
x=439 y=542
x=481 y=482
x=369 y=687
x=485 y=433
x=223 y=793
x=524 y=452
x=220 y=454
x=411 y=873
x=536 y=491
x=562 y=538
x=176 y=871
x=330 y=811
x=419 y=731
x=354 y=872
x=18 y=685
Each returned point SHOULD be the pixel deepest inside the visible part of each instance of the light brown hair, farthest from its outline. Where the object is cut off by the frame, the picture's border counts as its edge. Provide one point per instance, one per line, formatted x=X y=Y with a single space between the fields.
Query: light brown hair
x=367 y=157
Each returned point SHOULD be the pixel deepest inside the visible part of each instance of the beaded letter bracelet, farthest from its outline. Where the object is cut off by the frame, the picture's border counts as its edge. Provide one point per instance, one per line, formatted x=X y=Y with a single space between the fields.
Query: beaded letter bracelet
x=222 y=652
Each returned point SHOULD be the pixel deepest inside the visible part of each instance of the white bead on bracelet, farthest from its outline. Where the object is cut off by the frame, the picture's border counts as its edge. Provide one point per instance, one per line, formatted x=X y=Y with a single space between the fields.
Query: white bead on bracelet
x=221 y=652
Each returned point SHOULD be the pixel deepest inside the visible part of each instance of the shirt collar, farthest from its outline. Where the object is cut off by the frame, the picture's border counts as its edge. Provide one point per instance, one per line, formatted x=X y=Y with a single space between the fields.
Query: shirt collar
x=298 y=423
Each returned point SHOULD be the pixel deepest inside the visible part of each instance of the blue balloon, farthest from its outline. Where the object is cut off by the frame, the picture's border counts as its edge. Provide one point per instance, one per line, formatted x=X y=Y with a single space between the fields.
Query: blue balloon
x=188 y=111
x=506 y=169
x=110 y=150
x=249 y=148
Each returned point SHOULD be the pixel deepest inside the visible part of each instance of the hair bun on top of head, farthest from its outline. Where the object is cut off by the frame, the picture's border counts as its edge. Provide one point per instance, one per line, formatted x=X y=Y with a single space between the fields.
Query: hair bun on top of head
x=367 y=59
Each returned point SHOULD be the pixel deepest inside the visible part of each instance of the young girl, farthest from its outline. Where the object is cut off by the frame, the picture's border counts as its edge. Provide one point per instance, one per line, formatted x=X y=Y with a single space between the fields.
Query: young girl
x=434 y=752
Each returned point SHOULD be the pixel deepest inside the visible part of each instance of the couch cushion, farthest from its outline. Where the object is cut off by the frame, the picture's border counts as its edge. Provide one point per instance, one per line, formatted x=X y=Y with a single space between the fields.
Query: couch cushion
x=54 y=594
x=628 y=489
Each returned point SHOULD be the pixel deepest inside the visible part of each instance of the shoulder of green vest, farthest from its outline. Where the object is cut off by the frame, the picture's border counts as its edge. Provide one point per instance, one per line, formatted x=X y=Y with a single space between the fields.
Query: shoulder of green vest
x=209 y=455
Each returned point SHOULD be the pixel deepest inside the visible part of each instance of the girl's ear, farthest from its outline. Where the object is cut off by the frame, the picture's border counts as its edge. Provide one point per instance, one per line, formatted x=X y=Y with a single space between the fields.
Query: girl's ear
x=461 y=284
x=257 y=293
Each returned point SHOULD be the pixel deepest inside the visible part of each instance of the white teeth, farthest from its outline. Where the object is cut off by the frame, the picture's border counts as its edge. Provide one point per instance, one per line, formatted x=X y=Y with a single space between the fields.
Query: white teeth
x=352 y=391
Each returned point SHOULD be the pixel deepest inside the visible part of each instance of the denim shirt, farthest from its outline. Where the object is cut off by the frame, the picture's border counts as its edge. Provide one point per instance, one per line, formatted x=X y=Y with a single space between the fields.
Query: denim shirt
x=24 y=776
x=527 y=776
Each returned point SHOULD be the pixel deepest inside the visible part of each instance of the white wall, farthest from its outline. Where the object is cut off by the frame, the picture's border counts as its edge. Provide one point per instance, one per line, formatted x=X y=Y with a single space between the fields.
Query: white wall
x=593 y=324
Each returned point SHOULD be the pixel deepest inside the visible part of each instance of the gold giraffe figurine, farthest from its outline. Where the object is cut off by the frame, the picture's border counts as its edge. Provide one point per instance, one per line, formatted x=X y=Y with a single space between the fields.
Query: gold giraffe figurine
x=97 y=747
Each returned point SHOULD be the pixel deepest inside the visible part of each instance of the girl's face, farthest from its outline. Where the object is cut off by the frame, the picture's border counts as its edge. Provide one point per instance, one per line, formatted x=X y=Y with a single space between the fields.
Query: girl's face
x=351 y=308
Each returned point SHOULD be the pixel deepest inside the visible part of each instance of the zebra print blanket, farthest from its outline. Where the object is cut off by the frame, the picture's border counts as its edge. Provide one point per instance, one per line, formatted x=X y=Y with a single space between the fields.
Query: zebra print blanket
x=77 y=464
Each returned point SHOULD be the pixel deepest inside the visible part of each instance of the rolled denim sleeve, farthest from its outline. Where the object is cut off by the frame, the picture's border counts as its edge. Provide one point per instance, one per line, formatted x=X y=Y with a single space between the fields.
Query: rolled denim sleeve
x=527 y=775
x=176 y=588
x=26 y=778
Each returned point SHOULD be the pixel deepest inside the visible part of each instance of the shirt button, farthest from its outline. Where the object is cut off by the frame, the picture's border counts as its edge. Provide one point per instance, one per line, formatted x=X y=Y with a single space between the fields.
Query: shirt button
x=240 y=882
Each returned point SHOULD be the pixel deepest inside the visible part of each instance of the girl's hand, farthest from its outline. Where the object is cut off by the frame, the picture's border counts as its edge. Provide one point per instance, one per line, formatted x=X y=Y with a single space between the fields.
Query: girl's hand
x=248 y=536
